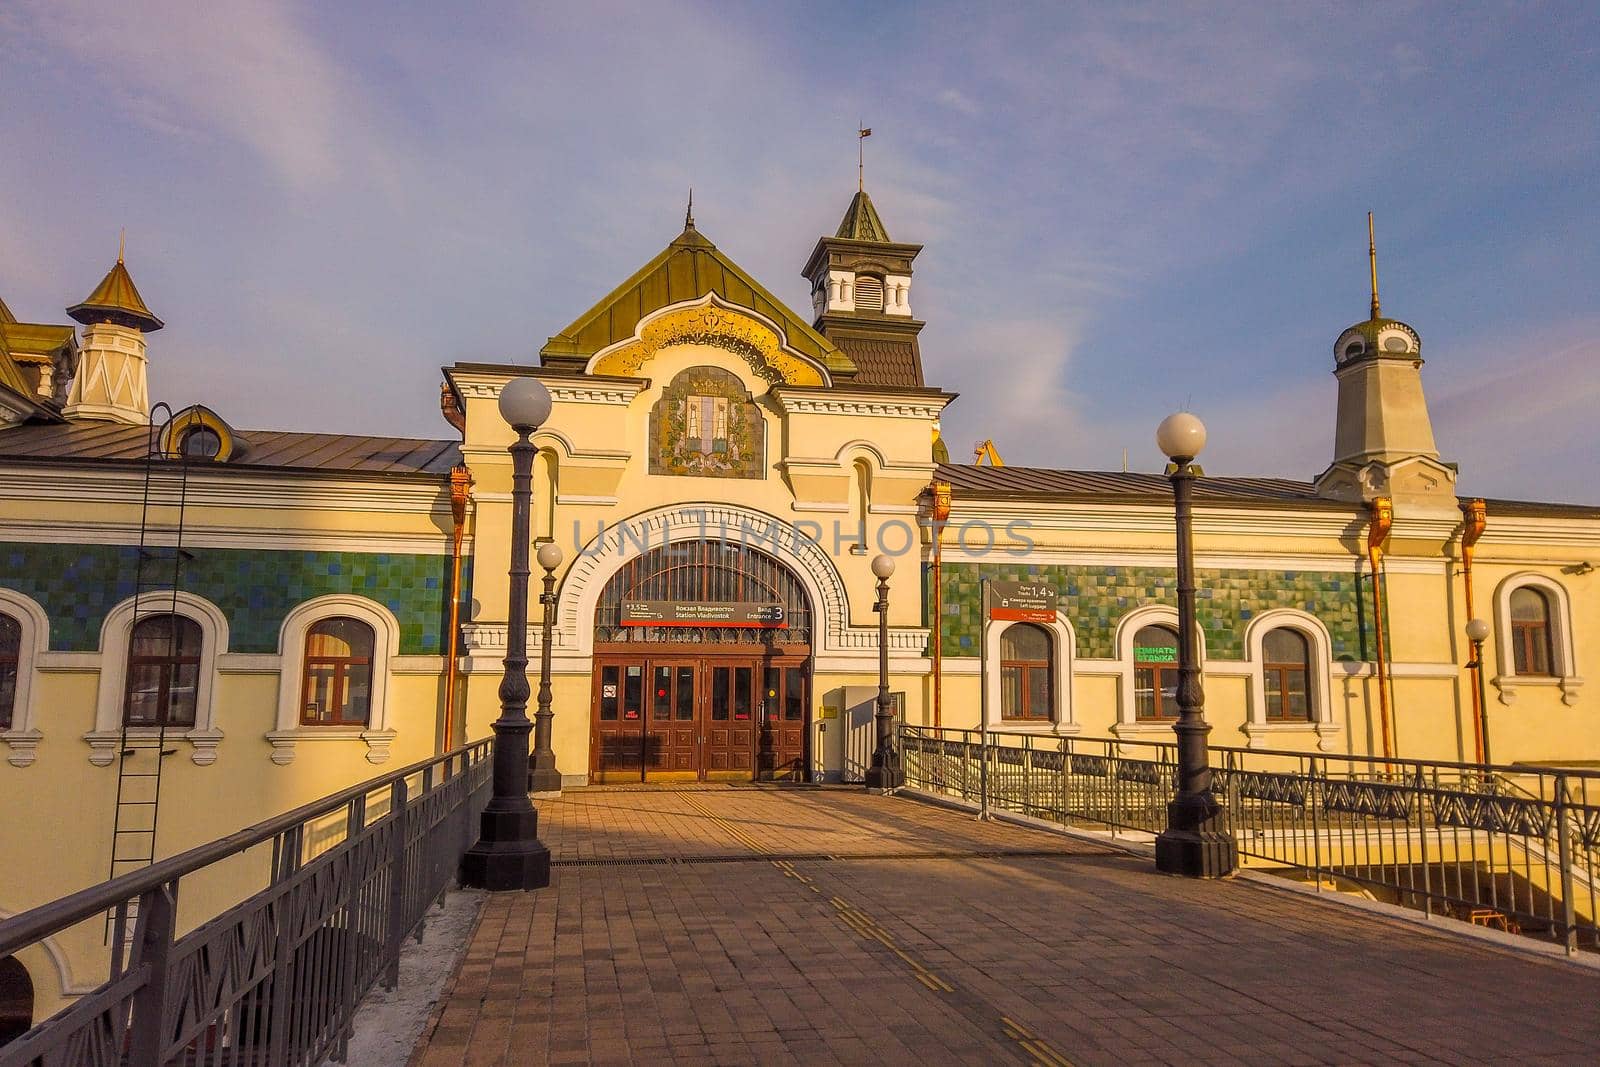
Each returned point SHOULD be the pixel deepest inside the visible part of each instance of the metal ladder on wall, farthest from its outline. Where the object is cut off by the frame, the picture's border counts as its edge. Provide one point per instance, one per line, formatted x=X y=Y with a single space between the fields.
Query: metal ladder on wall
x=158 y=576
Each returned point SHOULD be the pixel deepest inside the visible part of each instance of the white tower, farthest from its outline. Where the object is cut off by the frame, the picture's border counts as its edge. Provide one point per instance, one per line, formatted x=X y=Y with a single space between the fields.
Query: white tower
x=1383 y=442
x=111 y=383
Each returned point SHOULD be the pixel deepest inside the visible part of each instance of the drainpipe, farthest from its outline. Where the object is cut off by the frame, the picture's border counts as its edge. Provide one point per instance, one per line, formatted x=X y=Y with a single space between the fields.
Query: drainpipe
x=1382 y=509
x=460 y=493
x=941 y=514
x=1474 y=517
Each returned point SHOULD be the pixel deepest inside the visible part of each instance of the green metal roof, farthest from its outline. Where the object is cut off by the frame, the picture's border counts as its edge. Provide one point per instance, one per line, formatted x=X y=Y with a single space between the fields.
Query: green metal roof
x=861 y=222
x=5 y=313
x=687 y=269
x=116 y=299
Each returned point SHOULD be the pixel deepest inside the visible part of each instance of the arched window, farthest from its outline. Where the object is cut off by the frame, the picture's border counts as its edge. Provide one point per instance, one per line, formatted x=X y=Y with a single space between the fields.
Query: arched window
x=10 y=668
x=1286 y=675
x=860 y=500
x=1530 y=632
x=1155 y=673
x=546 y=467
x=163 y=672
x=338 y=673
x=16 y=1000
x=201 y=442
x=1026 y=670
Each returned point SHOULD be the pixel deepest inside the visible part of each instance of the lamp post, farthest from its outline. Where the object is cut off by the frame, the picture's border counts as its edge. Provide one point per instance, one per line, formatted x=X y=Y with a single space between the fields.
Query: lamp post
x=1477 y=633
x=1196 y=842
x=885 y=773
x=543 y=777
x=509 y=854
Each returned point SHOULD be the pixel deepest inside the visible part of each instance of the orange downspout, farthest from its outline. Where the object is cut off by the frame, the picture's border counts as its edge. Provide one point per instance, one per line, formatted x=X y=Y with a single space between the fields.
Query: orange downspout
x=1382 y=519
x=1474 y=517
x=941 y=515
x=460 y=493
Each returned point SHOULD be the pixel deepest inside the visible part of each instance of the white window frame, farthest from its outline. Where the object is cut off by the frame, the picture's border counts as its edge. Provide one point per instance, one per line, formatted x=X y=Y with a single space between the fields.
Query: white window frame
x=115 y=634
x=1319 y=690
x=1128 y=723
x=24 y=736
x=378 y=734
x=1563 y=667
x=1063 y=645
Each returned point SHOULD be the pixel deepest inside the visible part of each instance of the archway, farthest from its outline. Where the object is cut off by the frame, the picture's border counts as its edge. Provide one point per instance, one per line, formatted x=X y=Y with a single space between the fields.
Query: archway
x=16 y=1000
x=702 y=666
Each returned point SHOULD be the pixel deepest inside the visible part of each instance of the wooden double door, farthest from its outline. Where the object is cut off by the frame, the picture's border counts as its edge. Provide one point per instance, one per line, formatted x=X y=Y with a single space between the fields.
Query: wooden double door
x=726 y=716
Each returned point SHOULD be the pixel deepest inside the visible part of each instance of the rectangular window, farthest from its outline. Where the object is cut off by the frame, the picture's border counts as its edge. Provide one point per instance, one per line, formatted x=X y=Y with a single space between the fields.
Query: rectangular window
x=742 y=704
x=609 y=677
x=794 y=694
x=633 y=694
x=661 y=694
x=719 y=693
x=685 y=693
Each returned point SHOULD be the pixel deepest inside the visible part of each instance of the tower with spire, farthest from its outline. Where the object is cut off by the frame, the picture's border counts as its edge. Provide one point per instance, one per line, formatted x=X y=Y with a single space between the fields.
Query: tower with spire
x=861 y=296
x=112 y=383
x=1383 y=441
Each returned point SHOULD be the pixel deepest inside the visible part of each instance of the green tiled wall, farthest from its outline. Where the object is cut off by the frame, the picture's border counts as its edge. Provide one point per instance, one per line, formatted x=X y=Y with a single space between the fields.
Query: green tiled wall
x=77 y=584
x=1096 y=599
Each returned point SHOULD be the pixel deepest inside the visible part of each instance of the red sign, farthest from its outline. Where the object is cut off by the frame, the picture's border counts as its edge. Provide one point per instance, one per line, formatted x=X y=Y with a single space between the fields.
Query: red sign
x=747 y=614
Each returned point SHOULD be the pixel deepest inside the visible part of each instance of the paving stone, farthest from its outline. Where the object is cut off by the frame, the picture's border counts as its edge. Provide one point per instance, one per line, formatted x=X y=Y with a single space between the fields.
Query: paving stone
x=759 y=958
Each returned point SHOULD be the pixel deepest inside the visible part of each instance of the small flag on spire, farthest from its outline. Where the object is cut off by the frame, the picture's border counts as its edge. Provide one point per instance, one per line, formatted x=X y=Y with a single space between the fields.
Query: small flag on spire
x=862 y=133
x=865 y=131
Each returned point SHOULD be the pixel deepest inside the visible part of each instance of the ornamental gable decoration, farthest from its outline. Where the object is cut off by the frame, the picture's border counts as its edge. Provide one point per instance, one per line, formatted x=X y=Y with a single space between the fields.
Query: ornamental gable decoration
x=706 y=425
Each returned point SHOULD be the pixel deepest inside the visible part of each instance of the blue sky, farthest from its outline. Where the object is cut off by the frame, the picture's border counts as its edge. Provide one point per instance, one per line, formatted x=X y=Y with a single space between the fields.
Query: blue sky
x=1126 y=208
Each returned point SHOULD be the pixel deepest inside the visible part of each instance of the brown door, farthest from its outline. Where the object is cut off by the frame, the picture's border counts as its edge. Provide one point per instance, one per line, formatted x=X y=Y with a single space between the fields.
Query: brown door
x=781 y=742
x=619 y=748
x=731 y=718
x=671 y=734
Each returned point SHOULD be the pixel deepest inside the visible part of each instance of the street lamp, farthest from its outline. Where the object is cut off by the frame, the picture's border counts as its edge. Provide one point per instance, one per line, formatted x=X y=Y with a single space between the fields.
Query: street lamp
x=885 y=773
x=1196 y=842
x=509 y=854
x=543 y=778
x=1478 y=633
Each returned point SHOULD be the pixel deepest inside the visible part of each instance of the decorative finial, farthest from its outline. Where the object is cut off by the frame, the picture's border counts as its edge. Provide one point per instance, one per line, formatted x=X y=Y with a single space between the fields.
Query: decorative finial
x=1372 y=259
x=688 y=213
x=122 y=244
x=862 y=133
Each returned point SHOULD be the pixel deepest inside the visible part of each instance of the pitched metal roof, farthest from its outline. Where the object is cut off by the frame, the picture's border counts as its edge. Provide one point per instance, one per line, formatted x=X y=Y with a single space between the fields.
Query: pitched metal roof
x=1047 y=484
x=687 y=269
x=116 y=299
x=276 y=449
x=861 y=221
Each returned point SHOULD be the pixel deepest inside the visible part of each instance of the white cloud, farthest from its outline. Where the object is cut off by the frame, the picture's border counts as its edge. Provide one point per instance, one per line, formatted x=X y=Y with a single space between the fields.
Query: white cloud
x=238 y=70
x=959 y=101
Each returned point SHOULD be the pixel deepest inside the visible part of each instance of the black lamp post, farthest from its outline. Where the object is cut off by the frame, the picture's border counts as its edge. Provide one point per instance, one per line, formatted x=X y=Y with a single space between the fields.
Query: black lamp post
x=885 y=773
x=1196 y=842
x=543 y=777
x=509 y=854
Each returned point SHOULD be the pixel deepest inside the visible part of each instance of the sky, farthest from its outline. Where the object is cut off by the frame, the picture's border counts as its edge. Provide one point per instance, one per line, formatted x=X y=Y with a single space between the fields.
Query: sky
x=1126 y=209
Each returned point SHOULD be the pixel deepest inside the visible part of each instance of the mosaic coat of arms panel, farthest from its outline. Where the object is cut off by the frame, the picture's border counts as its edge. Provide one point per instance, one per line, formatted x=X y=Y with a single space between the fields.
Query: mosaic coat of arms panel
x=707 y=425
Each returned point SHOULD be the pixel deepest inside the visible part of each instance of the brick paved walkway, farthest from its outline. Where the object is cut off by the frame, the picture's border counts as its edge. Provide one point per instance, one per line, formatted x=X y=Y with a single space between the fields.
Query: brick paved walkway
x=820 y=927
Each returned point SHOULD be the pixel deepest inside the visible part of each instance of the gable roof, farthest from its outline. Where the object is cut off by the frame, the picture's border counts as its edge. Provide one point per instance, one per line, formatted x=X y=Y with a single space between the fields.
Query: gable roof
x=687 y=269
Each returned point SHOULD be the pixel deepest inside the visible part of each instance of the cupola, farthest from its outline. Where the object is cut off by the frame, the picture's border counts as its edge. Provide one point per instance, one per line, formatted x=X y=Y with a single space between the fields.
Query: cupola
x=111 y=383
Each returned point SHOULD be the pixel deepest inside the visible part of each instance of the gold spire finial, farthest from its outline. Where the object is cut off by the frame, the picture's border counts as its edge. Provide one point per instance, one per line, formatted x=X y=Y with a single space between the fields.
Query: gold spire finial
x=122 y=244
x=1372 y=259
x=862 y=133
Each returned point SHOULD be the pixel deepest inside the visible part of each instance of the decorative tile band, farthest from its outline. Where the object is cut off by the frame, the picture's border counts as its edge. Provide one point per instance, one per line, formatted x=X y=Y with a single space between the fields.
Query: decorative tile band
x=77 y=584
x=1095 y=599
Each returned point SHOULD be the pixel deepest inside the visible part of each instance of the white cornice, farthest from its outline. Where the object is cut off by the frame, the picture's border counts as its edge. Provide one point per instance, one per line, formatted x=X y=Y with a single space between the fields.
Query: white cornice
x=873 y=405
x=577 y=389
x=236 y=537
x=1110 y=518
x=236 y=489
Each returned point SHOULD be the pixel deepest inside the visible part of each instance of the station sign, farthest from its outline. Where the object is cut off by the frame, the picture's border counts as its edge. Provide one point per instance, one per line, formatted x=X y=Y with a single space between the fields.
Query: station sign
x=1022 y=601
x=743 y=613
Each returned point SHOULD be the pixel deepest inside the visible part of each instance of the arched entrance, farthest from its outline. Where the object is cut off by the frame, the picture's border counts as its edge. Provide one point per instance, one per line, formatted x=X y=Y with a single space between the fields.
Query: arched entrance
x=16 y=1000
x=702 y=667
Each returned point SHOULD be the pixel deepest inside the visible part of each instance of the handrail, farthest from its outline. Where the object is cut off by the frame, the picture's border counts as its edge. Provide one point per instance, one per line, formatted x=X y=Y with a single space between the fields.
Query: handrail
x=30 y=926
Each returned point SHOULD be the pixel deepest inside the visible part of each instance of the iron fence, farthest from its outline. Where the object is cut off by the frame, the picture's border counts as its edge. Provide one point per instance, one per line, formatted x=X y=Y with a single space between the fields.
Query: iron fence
x=1512 y=847
x=275 y=978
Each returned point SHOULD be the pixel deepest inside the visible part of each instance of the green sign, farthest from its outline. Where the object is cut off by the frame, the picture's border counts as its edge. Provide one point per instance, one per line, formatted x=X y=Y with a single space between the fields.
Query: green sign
x=1155 y=654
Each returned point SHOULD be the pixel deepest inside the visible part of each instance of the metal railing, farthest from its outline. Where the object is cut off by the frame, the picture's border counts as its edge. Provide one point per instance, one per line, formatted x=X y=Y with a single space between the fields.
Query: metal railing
x=1515 y=847
x=275 y=978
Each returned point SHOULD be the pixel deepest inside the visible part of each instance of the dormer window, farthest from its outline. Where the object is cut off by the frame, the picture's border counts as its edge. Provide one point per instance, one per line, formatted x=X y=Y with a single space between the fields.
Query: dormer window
x=1352 y=349
x=202 y=442
x=869 y=293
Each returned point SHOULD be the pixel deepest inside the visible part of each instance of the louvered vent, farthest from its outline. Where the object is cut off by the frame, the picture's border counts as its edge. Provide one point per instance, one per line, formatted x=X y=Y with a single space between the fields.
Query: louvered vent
x=869 y=293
